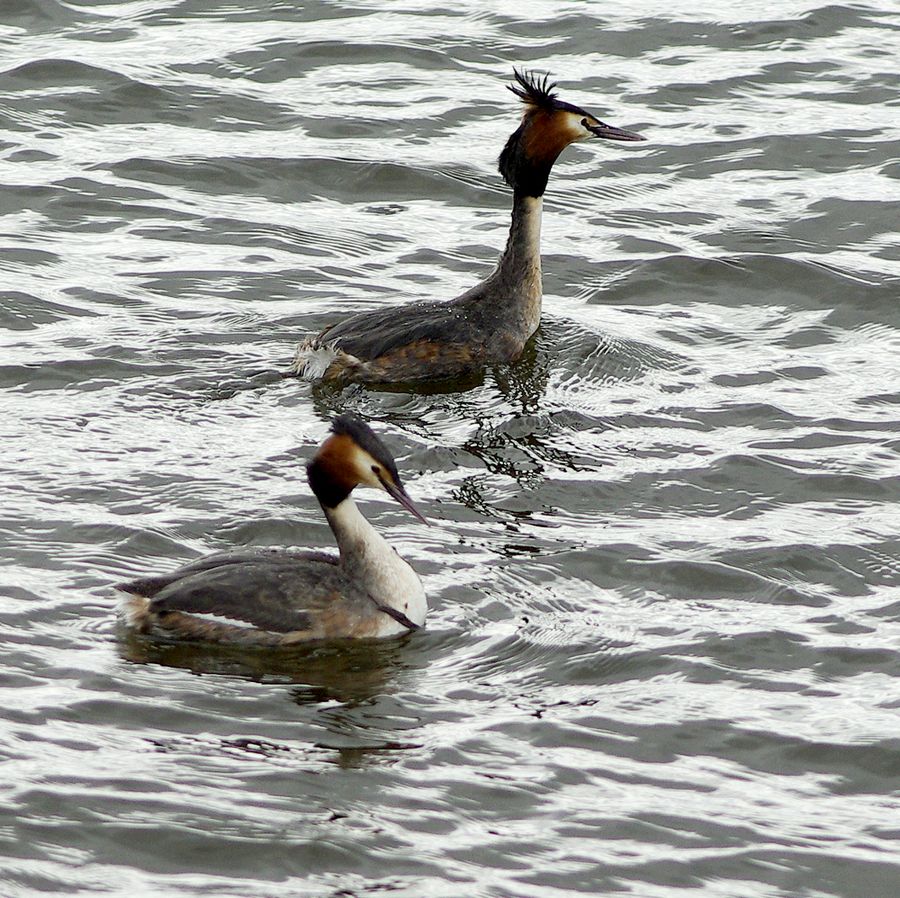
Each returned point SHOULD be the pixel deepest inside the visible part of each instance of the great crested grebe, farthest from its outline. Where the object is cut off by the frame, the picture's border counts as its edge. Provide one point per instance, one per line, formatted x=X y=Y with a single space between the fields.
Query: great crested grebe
x=282 y=597
x=490 y=323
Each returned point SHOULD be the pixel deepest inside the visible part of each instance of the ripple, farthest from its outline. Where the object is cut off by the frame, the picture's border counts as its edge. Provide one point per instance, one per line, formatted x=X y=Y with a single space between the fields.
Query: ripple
x=661 y=649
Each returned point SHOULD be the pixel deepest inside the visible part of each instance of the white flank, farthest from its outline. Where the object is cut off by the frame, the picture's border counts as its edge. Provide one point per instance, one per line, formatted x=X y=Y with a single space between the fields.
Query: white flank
x=222 y=620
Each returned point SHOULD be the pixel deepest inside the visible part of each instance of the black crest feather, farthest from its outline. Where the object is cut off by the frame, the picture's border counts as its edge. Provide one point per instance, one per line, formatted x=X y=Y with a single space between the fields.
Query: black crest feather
x=364 y=437
x=332 y=484
x=533 y=89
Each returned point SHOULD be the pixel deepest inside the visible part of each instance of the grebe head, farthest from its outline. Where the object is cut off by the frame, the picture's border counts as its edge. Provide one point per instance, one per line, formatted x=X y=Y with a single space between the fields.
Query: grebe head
x=548 y=126
x=354 y=456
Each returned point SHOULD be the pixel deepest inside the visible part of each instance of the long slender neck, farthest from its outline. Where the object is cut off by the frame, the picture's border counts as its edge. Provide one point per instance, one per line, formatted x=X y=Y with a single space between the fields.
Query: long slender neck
x=522 y=255
x=358 y=541
x=369 y=560
x=513 y=291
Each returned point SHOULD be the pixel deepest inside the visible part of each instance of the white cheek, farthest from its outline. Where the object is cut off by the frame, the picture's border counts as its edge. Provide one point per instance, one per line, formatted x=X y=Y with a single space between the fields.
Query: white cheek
x=575 y=130
x=371 y=479
x=362 y=463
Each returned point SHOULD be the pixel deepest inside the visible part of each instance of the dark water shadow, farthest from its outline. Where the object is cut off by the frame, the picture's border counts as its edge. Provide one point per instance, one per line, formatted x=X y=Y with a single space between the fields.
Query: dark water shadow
x=348 y=672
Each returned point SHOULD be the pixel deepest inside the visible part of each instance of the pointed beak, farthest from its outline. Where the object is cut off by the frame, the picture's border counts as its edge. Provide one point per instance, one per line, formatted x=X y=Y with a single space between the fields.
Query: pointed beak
x=610 y=132
x=400 y=494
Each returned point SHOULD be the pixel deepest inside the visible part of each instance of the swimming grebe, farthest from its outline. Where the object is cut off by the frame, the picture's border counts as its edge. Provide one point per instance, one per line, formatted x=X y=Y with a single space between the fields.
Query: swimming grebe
x=282 y=597
x=491 y=322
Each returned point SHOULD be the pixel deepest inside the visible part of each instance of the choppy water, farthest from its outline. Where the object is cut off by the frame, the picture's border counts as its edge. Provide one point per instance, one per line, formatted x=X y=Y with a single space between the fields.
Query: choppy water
x=662 y=656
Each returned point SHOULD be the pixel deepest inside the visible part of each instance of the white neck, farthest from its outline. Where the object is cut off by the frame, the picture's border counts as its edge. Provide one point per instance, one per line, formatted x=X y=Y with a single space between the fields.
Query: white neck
x=368 y=557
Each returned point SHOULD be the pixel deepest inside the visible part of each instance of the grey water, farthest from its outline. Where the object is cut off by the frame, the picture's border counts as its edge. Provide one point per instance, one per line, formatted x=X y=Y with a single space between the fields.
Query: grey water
x=662 y=652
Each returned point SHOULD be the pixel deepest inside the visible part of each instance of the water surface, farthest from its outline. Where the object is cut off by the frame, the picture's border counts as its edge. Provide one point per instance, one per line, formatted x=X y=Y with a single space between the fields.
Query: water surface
x=662 y=654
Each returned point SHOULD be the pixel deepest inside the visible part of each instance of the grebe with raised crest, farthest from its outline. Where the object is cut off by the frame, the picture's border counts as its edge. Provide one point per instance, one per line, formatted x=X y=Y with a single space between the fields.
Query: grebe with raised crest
x=490 y=323
x=283 y=597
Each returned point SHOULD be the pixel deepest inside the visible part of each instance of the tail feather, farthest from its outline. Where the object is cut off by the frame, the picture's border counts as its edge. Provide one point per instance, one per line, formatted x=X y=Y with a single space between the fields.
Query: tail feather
x=317 y=359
